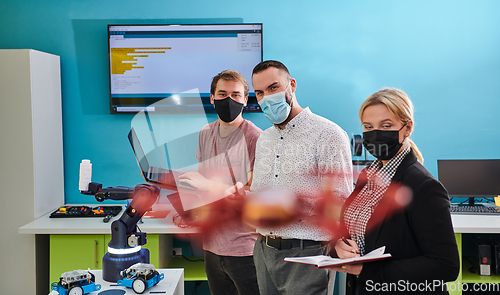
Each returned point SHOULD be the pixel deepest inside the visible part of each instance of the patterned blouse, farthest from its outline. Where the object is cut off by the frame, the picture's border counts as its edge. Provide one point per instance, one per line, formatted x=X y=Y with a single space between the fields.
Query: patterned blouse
x=358 y=213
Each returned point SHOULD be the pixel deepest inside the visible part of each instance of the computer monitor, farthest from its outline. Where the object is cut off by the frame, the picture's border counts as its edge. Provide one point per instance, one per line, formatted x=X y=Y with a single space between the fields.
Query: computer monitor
x=470 y=178
x=163 y=64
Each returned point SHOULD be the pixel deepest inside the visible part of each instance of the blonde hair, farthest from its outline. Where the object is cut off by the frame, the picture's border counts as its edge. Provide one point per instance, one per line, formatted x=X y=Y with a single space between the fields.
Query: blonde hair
x=399 y=104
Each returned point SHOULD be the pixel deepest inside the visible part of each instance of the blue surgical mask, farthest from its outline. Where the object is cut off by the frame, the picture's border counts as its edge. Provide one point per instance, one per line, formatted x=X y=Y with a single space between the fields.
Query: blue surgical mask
x=275 y=107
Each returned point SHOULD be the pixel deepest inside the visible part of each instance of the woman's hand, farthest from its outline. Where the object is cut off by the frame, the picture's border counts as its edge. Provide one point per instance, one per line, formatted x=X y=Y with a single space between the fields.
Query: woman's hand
x=354 y=269
x=347 y=248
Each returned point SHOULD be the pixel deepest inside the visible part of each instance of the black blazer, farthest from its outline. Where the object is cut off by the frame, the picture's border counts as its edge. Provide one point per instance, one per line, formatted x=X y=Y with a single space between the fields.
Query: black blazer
x=420 y=238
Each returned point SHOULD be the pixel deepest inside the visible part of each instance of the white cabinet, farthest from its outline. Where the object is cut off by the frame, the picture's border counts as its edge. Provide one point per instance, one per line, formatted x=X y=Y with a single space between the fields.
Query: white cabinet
x=31 y=161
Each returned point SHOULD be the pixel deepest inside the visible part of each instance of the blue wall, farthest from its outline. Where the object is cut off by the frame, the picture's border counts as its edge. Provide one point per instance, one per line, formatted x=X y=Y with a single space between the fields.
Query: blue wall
x=444 y=54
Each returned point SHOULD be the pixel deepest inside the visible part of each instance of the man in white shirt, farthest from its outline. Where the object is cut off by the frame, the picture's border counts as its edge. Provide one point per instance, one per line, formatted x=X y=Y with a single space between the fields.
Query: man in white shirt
x=287 y=154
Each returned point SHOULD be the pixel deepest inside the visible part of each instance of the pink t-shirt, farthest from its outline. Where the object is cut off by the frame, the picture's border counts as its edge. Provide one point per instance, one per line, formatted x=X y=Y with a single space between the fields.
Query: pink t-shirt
x=218 y=156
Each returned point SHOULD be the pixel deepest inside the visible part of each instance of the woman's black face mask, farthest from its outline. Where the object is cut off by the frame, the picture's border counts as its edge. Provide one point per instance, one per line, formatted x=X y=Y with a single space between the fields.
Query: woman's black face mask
x=382 y=144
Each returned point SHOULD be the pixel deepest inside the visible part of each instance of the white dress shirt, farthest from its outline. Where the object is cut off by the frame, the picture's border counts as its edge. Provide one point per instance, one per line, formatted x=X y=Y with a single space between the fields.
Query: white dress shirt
x=287 y=159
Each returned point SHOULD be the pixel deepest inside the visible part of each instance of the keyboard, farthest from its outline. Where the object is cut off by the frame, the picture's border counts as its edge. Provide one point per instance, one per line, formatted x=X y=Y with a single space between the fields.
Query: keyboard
x=477 y=209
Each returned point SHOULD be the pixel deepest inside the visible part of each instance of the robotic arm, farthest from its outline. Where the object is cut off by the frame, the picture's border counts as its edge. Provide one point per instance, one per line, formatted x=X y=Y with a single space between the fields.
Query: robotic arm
x=109 y=193
x=124 y=233
x=124 y=249
x=124 y=230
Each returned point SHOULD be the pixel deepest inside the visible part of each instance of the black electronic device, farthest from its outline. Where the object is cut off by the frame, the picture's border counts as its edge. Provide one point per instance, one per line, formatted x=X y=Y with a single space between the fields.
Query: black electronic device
x=475 y=209
x=470 y=179
x=484 y=256
x=190 y=217
x=166 y=178
x=168 y=68
x=85 y=211
x=357 y=150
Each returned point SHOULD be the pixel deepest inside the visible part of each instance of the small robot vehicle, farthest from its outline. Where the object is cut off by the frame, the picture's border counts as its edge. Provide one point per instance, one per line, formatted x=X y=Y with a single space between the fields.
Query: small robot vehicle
x=140 y=277
x=76 y=282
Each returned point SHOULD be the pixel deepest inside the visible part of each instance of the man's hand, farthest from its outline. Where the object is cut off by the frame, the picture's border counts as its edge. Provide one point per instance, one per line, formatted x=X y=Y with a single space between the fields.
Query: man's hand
x=236 y=191
x=233 y=193
x=196 y=180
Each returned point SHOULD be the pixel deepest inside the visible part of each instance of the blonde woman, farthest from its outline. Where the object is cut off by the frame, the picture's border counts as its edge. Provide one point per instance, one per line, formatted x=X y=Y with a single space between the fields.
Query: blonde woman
x=420 y=237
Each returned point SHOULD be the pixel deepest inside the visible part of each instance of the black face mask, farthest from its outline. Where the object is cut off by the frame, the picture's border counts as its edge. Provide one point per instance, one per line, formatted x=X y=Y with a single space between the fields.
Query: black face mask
x=382 y=144
x=227 y=109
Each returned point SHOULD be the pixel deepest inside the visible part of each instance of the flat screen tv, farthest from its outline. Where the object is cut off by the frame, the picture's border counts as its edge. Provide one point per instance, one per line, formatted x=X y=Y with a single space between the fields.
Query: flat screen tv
x=169 y=68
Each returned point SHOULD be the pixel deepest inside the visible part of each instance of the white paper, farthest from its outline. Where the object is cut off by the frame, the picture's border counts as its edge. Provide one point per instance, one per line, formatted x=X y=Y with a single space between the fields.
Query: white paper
x=324 y=260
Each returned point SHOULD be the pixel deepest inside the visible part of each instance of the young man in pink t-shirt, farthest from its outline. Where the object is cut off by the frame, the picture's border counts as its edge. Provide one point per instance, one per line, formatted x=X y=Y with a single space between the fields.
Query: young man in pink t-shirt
x=226 y=155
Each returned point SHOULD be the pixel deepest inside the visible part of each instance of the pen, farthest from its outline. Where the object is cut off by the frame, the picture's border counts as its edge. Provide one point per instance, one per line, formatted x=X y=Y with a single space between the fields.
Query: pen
x=346 y=241
x=348 y=244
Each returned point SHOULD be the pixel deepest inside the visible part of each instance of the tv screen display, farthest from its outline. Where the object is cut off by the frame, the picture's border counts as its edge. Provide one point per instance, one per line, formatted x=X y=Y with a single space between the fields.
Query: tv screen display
x=169 y=68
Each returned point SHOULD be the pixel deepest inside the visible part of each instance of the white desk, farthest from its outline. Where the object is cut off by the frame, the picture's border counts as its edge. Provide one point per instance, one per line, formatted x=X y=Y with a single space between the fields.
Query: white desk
x=50 y=228
x=462 y=224
x=172 y=284
x=95 y=225
x=472 y=223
